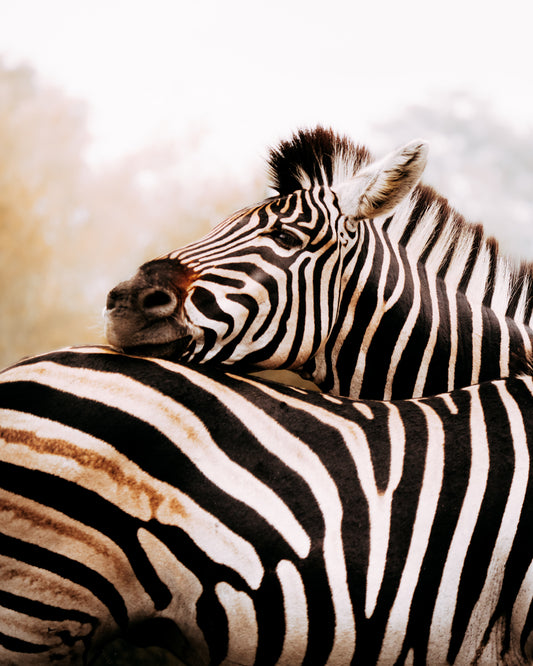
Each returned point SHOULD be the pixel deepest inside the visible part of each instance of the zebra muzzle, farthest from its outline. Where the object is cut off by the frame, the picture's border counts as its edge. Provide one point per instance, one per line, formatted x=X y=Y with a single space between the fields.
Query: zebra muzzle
x=146 y=321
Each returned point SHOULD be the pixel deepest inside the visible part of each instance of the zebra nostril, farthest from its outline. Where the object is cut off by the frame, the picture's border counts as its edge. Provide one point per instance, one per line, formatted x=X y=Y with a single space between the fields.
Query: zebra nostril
x=158 y=302
x=111 y=301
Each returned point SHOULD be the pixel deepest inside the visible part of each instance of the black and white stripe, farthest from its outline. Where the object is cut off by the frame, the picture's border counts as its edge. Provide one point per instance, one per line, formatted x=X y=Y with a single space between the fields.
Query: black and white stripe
x=244 y=522
x=349 y=276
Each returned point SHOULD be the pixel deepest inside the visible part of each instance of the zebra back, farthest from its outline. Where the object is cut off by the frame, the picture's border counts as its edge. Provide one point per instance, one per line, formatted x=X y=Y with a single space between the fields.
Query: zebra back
x=246 y=522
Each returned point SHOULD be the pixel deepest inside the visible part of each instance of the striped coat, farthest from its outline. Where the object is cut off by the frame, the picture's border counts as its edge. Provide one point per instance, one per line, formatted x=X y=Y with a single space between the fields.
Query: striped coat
x=238 y=521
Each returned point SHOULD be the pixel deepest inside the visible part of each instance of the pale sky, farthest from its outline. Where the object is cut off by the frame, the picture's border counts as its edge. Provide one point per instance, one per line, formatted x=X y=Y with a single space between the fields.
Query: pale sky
x=250 y=72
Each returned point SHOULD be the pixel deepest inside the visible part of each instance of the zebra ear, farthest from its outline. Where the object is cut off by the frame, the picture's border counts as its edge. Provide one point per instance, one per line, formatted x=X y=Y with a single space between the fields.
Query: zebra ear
x=379 y=187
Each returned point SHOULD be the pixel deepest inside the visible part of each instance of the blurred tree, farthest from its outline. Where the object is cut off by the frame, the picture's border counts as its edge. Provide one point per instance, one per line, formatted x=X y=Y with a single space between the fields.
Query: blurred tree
x=478 y=162
x=42 y=135
x=69 y=233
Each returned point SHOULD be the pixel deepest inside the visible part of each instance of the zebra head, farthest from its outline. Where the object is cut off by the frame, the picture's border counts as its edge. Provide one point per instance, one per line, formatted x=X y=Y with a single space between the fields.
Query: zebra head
x=263 y=288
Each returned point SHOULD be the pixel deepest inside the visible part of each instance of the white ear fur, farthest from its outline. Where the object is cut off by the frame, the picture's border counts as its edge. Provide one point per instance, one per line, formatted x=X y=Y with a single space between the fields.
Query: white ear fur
x=379 y=187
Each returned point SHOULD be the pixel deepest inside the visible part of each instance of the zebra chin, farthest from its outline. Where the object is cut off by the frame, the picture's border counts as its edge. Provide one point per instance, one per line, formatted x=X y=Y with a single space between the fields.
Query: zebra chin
x=174 y=350
x=160 y=339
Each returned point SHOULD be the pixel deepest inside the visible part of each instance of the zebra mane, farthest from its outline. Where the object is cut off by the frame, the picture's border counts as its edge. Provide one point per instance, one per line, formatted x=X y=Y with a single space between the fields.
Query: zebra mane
x=433 y=232
x=316 y=156
x=460 y=252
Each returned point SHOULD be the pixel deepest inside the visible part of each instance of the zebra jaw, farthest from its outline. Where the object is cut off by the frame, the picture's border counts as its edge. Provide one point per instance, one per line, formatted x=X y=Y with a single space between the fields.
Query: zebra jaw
x=171 y=350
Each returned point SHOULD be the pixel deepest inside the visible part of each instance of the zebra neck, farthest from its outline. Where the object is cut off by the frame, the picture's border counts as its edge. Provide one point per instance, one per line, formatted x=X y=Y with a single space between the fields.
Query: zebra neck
x=408 y=333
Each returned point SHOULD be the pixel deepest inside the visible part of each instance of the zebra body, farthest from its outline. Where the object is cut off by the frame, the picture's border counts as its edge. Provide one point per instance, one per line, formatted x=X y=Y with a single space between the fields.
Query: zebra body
x=349 y=276
x=250 y=523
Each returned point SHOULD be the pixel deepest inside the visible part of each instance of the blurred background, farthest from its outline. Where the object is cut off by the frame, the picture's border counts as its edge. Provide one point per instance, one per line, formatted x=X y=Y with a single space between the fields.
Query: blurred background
x=130 y=127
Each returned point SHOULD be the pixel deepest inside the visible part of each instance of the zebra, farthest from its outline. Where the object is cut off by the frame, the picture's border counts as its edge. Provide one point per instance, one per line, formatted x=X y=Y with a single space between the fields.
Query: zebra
x=238 y=521
x=355 y=275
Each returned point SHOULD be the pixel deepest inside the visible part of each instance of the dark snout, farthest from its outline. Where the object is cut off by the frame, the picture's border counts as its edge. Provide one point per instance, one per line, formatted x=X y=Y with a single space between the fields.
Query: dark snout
x=144 y=315
x=152 y=302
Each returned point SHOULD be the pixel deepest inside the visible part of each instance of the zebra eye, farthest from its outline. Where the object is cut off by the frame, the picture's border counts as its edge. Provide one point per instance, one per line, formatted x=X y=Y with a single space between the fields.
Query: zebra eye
x=285 y=239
